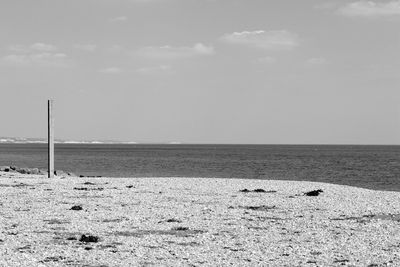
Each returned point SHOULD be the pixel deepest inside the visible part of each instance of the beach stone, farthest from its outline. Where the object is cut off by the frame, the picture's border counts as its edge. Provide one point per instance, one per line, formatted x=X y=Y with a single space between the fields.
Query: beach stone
x=81 y=188
x=11 y=169
x=89 y=239
x=259 y=190
x=173 y=220
x=23 y=170
x=314 y=193
x=63 y=173
x=60 y=173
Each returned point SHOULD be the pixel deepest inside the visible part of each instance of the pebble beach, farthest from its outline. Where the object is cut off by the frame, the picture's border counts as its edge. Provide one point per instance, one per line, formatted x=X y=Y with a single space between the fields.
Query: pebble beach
x=81 y=221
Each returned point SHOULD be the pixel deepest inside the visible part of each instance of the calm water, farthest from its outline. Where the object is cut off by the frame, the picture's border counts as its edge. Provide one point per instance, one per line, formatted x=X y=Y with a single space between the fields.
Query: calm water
x=375 y=167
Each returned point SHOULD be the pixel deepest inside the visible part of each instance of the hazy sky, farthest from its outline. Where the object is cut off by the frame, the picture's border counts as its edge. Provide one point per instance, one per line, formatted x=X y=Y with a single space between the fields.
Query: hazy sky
x=202 y=71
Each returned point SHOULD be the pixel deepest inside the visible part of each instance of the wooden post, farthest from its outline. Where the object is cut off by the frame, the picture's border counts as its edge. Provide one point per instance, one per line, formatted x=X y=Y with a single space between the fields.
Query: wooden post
x=50 y=139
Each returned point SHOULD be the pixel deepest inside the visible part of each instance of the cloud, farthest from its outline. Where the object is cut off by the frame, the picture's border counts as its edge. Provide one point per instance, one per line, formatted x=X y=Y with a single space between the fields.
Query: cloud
x=45 y=59
x=86 y=47
x=35 y=55
x=32 y=48
x=370 y=9
x=269 y=40
x=111 y=70
x=118 y=19
x=169 y=52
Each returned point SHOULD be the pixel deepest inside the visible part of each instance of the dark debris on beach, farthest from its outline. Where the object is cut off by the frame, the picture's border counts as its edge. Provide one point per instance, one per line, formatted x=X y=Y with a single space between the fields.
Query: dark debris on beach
x=258 y=208
x=87 y=189
x=89 y=239
x=35 y=171
x=172 y=220
x=313 y=193
x=258 y=190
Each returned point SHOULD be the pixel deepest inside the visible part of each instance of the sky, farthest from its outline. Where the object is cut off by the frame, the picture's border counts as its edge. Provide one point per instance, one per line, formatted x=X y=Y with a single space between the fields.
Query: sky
x=202 y=71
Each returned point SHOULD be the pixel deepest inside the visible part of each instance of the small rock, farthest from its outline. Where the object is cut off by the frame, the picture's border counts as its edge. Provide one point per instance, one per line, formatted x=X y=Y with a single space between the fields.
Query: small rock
x=89 y=239
x=88 y=248
x=76 y=208
x=173 y=220
x=259 y=190
x=313 y=193
x=61 y=173
x=23 y=170
x=129 y=186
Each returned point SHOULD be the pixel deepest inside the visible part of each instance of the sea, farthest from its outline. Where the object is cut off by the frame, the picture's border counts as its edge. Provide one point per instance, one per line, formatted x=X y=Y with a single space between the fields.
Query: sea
x=373 y=166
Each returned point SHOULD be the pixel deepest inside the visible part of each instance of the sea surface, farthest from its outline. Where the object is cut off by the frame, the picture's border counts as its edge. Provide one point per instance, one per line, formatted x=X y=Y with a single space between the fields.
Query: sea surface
x=373 y=167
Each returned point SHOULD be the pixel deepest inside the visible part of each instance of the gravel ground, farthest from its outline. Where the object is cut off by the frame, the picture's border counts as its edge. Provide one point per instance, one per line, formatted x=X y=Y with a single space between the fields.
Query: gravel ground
x=194 y=222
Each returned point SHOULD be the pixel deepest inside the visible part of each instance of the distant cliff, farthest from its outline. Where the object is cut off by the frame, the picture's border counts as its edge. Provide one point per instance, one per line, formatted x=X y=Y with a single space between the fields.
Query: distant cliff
x=18 y=140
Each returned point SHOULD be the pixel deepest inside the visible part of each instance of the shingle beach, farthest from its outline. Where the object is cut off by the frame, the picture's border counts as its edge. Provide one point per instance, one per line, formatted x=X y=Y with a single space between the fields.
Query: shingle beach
x=194 y=222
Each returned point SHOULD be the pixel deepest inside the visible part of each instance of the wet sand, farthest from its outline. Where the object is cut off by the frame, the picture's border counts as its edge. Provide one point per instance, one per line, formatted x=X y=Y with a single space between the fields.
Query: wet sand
x=194 y=222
